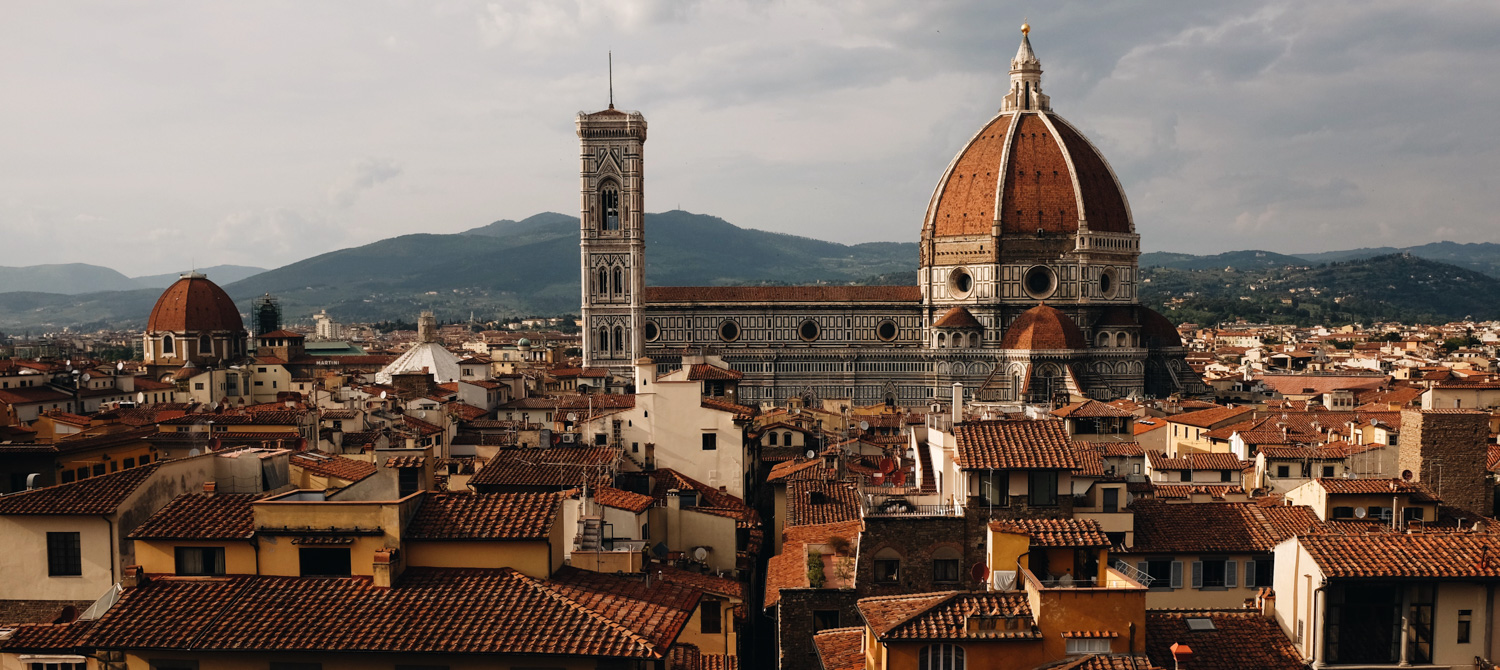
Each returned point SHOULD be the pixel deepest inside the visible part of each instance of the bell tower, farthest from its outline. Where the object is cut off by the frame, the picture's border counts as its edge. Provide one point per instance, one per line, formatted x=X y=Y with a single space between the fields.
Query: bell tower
x=612 y=237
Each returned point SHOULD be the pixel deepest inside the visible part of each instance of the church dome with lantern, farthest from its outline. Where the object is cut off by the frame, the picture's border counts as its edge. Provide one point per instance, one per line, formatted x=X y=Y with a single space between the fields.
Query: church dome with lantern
x=194 y=321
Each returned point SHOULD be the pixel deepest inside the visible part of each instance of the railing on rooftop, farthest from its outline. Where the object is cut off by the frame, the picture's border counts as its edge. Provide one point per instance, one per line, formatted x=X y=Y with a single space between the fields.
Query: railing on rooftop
x=892 y=508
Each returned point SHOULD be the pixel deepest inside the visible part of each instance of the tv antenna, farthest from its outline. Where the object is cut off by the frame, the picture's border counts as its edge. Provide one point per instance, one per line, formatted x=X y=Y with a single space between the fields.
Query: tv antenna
x=611 y=79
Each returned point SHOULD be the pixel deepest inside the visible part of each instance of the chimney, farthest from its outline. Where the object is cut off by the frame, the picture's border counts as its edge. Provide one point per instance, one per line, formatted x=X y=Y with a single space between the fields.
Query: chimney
x=134 y=576
x=1268 y=603
x=958 y=402
x=210 y=487
x=1181 y=653
x=387 y=568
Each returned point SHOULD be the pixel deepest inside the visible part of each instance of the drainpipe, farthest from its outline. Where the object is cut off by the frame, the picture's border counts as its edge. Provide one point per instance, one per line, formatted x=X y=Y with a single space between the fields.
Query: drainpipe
x=958 y=403
x=114 y=560
x=1312 y=628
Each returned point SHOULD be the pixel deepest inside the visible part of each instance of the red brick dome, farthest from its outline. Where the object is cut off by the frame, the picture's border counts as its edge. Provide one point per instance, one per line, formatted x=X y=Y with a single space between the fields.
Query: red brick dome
x=1157 y=330
x=194 y=304
x=1047 y=177
x=1043 y=327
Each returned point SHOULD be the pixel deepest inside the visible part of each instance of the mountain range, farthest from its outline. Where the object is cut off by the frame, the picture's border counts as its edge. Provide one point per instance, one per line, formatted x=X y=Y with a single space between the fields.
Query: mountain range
x=530 y=267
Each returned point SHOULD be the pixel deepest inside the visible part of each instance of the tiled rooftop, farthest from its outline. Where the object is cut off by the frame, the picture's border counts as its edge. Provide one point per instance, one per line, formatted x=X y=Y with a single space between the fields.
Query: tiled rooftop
x=841 y=648
x=553 y=467
x=1215 y=526
x=95 y=496
x=788 y=569
x=201 y=516
x=1015 y=445
x=1433 y=555
x=484 y=516
x=328 y=465
x=1240 y=639
x=944 y=615
x=820 y=501
x=428 y=610
x=1056 y=532
x=629 y=501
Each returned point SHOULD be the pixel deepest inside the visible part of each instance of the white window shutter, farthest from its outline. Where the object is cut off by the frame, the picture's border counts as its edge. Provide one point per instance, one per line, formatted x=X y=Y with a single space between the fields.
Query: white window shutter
x=1231 y=570
x=1176 y=574
x=1197 y=574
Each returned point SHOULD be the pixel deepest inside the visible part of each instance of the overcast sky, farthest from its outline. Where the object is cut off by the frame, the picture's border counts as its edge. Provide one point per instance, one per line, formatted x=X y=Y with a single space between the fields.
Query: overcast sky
x=150 y=136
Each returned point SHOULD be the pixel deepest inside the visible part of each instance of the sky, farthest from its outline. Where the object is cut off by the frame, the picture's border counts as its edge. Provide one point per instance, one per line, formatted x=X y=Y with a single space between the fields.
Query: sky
x=149 y=137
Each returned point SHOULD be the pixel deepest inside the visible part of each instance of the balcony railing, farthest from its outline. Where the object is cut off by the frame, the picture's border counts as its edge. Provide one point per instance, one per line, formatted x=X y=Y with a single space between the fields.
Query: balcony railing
x=898 y=508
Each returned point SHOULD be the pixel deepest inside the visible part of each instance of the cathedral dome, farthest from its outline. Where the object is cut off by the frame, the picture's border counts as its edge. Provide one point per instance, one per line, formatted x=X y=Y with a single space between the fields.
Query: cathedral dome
x=194 y=304
x=1043 y=327
x=1037 y=169
x=1157 y=330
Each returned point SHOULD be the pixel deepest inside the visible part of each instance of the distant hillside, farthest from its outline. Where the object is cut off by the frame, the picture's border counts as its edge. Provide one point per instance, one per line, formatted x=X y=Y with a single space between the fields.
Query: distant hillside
x=221 y=274
x=1480 y=257
x=531 y=267
x=1239 y=260
x=66 y=278
x=1395 y=287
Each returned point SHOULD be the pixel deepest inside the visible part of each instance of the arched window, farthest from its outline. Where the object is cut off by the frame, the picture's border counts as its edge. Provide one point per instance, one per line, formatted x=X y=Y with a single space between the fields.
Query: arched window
x=887 y=566
x=1103 y=339
x=619 y=338
x=205 y=345
x=942 y=340
x=167 y=345
x=604 y=341
x=1122 y=340
x=609 y=205
x=941 y=657
x=619 y=283
x=602 y=286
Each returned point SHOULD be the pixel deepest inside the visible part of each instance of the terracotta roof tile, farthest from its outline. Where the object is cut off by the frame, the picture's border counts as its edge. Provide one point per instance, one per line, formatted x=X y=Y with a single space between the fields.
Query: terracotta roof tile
x=707 y=583
x=1184 y=491
x=1162 y=527
x=95 y=496
x=957 y=317
x=1119 y=449
x=428 y=610
x=201 y=516
x=656 y=610
x=811 y=468
x=484 y=516
x=327 y=465
x=46 y=637
x=1240 y=639
x=406 y=462
x=629 y=501
x=1434 y=555
x=1056 y=532
x=945 y=615
x=37 y=611
x=710 y=500
x=841 y=648
x=1206 y=418
x=818 y=501
x=1338 y=485
x=1043 y=327
x=1090 y=460
x=704 y=371
x=1015 y=445
x=1196 y=461
x=553 y=467
x=740 y=411
x=1091 y=409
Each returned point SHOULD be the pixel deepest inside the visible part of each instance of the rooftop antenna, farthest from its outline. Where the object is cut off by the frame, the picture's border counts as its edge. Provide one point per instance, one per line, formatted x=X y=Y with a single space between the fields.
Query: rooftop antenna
x=611 y=79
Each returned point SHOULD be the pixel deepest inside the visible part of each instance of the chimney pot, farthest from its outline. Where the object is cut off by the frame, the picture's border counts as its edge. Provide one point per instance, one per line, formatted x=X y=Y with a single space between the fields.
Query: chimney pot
x=210 y=487
x=1181 y=653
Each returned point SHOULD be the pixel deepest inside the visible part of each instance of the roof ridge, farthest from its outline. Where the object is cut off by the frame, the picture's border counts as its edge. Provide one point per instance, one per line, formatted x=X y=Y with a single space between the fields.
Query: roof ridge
x=541 y=587
x=947 y=597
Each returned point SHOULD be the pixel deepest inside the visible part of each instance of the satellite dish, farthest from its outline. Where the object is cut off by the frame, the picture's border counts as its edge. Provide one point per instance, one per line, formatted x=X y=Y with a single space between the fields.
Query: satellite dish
x=141 y=397
x=68 y=362
x=1359 y=512
x=192 y=452
x=382 y=395
x=572 y=416
x=1406 y=475
x=700 y=553
x=811 y=453
x=864 y=425
x=979 y=572
x=85 y=377
x=119 y=366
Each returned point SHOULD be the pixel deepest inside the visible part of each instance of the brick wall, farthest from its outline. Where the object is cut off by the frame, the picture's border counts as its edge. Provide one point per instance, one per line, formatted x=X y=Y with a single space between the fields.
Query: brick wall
x=794 y=622
x=1447 y=451
x=917 y=540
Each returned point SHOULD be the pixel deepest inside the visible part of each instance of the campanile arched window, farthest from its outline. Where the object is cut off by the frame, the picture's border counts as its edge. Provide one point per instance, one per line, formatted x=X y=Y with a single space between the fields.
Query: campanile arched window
x=619 y=338
x=602 y=286
x=619 y=284
x=609 y=205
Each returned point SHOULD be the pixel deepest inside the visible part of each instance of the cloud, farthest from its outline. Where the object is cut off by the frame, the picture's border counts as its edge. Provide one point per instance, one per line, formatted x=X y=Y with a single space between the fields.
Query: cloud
x=363 y=175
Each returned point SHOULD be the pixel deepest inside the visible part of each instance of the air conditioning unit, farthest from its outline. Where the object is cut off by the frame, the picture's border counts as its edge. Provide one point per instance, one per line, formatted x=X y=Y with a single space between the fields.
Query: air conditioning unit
x=567 y=438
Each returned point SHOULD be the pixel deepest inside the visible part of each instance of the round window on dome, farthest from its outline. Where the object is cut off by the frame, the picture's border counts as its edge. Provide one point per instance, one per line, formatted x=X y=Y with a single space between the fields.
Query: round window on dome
x=729 y=331
x=652 y=331
x=960 y=282
x=886 y=330
x=809 y=330
x=1040 y=282
x=1107 y=284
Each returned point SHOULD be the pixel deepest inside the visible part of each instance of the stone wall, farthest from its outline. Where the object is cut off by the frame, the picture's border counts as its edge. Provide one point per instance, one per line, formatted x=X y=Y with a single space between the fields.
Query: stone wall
x=917 y=539
x=1447 y=450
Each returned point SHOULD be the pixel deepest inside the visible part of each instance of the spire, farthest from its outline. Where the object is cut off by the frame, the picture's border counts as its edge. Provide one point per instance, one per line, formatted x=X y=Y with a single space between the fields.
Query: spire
x=1025 y=92
x=611 y=79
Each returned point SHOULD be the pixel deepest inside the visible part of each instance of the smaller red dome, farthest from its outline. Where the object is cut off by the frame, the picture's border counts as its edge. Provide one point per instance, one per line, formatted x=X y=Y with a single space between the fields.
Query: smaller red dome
x=1157 y=330
x=194 y=304
x=958 y=317
x=1043 y=327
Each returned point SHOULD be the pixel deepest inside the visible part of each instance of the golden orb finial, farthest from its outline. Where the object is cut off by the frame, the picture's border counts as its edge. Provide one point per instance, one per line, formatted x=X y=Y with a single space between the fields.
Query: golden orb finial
x=1026 y=29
